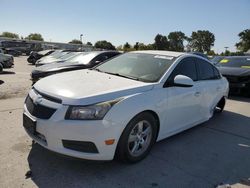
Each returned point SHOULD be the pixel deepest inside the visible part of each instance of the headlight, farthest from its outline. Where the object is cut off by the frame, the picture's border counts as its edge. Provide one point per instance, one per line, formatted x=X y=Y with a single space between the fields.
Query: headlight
x=91 y=112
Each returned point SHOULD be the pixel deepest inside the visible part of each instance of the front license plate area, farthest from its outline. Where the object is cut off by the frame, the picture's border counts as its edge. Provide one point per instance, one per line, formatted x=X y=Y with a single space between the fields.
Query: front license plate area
x=29 y=124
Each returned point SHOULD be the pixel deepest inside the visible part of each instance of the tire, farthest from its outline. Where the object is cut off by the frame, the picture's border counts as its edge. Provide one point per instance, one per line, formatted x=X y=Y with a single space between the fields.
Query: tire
x=221 y=104
x=142 y=132
x=1 y=67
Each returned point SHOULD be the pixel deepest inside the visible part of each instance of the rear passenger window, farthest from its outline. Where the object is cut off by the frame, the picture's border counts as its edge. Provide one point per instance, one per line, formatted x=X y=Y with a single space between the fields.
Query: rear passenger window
x=216 y=73
x=206 y=70
x=186 y=67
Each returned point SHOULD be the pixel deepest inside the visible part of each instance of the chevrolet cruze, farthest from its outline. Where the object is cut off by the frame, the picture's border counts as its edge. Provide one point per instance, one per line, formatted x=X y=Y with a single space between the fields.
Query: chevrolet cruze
x=123 y=106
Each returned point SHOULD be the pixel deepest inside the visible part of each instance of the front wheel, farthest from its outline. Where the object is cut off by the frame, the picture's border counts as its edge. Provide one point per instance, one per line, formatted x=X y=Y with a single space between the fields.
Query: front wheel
x=138 y=138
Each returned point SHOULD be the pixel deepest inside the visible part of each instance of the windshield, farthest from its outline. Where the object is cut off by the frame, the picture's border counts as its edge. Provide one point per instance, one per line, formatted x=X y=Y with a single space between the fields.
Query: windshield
x=243 y=62
x=57 y=54
x=43 y=52
x=68 y=55
x=83 y=58
x=138 y=66
x=216 y=59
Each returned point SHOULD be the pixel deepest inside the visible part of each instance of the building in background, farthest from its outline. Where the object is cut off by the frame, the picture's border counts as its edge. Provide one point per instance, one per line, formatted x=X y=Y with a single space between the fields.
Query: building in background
x=26 y=46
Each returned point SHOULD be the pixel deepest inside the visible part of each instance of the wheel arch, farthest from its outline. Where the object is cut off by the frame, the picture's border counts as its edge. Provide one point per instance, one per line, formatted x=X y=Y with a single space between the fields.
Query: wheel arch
x=155 y=115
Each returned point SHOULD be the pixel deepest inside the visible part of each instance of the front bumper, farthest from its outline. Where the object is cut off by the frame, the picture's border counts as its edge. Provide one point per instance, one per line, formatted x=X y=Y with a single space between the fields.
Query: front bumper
x=50 y=133
x=8 y=63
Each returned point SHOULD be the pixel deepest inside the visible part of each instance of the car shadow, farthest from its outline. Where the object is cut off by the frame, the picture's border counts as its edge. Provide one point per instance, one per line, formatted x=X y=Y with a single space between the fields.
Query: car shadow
x=204 y=156
x=7 y=72
x=1 y=82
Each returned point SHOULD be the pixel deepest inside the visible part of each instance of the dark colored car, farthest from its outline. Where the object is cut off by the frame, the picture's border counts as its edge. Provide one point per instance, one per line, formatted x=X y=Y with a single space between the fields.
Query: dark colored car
x=6 y=60
x=34 y=56
x=237 y=71
x=1 y=68
x=82 y=60
x=13 y=52
x=216 y=59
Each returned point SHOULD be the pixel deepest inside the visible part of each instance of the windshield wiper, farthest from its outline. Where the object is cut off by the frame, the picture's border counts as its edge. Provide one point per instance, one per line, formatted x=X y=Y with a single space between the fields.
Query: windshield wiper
x=124 y=76
x=121 y=75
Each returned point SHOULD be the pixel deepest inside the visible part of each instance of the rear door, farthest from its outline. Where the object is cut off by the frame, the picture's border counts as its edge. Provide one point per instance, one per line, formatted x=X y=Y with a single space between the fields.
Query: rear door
x=209 y=80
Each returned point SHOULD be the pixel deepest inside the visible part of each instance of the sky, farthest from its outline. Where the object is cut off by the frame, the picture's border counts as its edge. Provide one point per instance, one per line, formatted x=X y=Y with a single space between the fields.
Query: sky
x=121 y=21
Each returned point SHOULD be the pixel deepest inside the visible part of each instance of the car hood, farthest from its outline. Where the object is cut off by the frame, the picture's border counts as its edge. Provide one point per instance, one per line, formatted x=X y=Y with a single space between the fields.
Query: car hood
x=86 y=87
x=55 y=66
x=234 y=71
x=5 y=57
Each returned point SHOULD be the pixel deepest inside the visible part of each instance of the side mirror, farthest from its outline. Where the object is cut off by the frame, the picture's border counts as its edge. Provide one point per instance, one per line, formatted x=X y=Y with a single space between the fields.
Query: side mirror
x=183 y=81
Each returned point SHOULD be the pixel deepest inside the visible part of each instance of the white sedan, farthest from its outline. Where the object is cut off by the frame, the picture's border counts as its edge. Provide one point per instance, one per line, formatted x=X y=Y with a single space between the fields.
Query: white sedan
x=123 y=106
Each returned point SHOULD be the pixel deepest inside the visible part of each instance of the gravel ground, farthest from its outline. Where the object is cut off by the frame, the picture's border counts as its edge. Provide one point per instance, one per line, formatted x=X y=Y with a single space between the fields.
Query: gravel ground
x=214 y=152
x=14 y=82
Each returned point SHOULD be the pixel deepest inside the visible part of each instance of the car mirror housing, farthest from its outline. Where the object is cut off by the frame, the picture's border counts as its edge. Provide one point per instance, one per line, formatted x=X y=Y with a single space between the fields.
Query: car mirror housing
x=183 y=81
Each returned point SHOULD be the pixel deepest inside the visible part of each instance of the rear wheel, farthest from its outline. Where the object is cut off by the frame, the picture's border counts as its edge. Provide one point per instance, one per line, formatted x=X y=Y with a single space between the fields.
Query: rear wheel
x=137 y=139
x=221 y=104
x=1 y=67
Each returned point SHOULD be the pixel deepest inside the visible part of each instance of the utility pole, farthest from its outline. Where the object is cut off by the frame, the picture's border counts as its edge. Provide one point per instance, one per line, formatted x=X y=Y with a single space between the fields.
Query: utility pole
x=81 y=35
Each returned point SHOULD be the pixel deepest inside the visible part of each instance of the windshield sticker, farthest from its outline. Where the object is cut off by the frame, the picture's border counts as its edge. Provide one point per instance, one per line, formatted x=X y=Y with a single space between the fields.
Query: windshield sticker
x=245 y=67
x=224 y=61
x=163 y=57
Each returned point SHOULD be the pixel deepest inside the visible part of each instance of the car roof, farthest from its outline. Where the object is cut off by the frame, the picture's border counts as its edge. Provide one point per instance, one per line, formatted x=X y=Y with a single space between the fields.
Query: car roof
x=160 y=52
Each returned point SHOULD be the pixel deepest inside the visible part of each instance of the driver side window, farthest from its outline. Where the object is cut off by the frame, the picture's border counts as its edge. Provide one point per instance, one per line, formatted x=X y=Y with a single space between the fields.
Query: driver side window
x=186 y=67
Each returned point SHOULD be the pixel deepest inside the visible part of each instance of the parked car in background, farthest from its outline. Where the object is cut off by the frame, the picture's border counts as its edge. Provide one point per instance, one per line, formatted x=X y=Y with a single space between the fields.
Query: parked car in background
x=1 y=68
x=19 y=47
x=6 y=60
x=81 y=60
x=12 y=52
x=34 y=56
x=216 y=59
x=123 y=106
x=54 y=57
x=237 y=71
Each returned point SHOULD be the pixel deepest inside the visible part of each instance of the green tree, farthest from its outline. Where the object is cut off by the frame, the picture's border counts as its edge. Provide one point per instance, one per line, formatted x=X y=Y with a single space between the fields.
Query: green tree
x=103 y=44
x=201 y=41
x=127 y=47
x=75 y=41
x=10 y=35
x=142 y=46
x=136 y=46
x=89 y=43
x=211 y=52
x=176 y=40
x=227 y=53
x=34 y=36
x=161 y=42
x=119 y=48
x=244 y=43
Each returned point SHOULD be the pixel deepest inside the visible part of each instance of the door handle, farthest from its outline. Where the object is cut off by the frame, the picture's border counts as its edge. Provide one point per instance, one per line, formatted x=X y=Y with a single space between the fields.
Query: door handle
x=197 y=94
